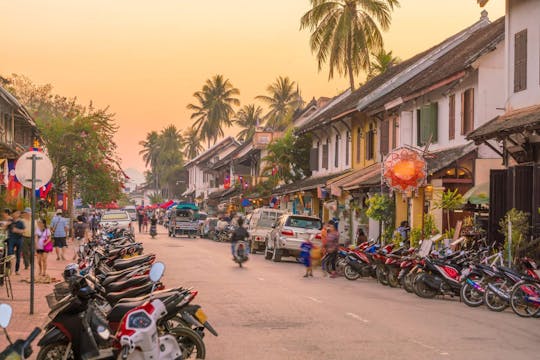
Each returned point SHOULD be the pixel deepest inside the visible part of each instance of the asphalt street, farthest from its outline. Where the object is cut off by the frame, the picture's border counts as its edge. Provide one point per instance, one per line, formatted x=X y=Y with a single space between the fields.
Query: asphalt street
x=268 y=310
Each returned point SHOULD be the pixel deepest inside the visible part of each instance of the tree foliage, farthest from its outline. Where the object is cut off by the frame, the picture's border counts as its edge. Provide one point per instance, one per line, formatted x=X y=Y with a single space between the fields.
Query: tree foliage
x=283 y=100
x=381 y=61
x=247 y=118
x=345 y=32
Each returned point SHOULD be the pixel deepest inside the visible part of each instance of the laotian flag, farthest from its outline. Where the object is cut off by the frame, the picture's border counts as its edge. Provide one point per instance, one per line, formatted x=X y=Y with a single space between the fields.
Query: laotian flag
x=14 y=186
x=43 y=191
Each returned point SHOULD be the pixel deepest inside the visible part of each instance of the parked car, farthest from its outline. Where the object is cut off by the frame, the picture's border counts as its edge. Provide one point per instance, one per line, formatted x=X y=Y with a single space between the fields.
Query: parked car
x=288 y=233
x=201 y=218
x=119 y=219
x=209 y=227
x=183 y=221
x=132 y=211
x=259 y=225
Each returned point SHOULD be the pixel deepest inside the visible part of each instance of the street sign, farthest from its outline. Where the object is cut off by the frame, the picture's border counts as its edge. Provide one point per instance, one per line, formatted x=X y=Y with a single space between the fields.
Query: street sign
x=44 y=169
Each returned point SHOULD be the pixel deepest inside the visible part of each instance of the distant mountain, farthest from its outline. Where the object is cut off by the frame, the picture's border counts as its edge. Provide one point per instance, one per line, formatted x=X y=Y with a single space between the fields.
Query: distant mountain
x=135 y=176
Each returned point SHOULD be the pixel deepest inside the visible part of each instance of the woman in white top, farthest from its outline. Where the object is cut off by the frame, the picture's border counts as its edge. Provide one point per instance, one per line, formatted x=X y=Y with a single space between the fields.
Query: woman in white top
x=43 y=245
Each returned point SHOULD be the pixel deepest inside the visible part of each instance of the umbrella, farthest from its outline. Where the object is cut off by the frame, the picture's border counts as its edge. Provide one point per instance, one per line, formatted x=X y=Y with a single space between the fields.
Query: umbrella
x=478 y=195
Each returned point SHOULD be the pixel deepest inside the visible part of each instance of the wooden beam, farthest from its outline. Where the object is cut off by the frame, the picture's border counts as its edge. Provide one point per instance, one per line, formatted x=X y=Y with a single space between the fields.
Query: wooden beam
x=497 y=151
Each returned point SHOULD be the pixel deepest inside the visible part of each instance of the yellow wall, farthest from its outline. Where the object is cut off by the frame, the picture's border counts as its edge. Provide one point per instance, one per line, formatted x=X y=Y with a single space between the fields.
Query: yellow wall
x=417 y=209
x=401 y=208
x=362 y=122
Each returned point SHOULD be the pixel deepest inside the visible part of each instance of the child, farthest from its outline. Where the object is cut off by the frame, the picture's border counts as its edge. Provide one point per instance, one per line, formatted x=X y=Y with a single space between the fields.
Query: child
x=305 y=255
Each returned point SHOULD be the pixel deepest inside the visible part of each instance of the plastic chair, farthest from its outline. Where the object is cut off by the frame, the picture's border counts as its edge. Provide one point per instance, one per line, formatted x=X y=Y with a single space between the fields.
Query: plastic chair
x=5 y=266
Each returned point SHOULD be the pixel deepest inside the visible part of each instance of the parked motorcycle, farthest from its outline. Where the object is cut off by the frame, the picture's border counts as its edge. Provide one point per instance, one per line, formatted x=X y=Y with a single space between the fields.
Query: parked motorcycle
x=20 y=349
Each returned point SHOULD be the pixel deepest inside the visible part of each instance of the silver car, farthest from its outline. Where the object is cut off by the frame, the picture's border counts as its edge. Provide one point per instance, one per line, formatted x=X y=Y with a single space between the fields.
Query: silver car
x=117 y=219
x=288 y=233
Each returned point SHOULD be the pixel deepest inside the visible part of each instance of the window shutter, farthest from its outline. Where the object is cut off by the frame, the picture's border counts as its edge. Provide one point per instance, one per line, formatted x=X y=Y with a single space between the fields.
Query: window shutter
x=314 y=159
x=452 y=117
x=325 y=156
x=433 y=122
x=463 y=111
x=358 y=144
x=419 y=127
x=347 y=147
x=336 y=153
x=470 y=110
x=385 y=134
x=520 y=61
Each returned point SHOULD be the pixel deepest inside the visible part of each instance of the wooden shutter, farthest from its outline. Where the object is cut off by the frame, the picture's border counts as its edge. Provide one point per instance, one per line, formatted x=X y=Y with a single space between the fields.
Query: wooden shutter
x=419 y=127
x=336 y=152
x=520 y=61
x=394 y=126
x=467 y=111
x=358 y=144
x=452 y=117
x=314 y=159
x=347 y=147
x=325 y=156
x=428 y=123
x=498 y=205
x=433 y=122
x=385 y=137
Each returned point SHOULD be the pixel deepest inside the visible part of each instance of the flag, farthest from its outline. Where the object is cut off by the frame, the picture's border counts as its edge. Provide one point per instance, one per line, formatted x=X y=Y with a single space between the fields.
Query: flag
x=43 y=191
x=14 y=186
x=319 y=192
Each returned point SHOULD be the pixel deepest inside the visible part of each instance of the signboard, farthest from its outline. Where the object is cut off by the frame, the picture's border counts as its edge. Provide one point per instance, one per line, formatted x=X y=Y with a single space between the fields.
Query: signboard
x=44 y=169
x=262 y=139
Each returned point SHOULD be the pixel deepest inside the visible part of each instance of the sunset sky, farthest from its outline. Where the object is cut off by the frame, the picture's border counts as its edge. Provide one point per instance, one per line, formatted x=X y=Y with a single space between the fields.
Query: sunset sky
x=146 y=58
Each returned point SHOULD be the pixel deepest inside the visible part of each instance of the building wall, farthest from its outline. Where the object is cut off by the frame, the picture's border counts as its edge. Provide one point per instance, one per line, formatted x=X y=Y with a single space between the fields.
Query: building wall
x=491 y=94
x=360 y=121
x=523 y=14
x=329 y=133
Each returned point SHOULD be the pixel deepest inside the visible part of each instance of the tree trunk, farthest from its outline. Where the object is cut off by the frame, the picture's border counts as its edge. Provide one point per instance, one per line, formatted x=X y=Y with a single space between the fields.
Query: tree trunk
x=349 y=62
x=70 y=186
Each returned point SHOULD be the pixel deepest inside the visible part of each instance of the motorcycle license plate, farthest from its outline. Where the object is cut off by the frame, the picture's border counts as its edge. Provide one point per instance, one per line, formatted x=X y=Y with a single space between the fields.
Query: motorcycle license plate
x=201 y=316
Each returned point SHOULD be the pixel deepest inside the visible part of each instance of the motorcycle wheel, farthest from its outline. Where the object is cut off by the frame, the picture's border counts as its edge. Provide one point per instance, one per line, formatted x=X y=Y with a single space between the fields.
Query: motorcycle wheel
x=393 y=277
x=382 y=275
x=190 y=342
x=470 y=296
x=341 y=263
x=493 y=301
x=350 y=273
x=408 y=282
x=54 y=352
x=519 y=303
x=422 y=290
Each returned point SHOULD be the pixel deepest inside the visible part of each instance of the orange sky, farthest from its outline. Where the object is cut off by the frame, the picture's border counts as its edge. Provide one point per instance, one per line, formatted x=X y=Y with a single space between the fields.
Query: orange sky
x=146 y=58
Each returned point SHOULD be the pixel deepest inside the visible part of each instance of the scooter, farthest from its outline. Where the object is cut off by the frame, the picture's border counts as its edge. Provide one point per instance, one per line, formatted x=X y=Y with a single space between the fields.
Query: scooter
x=20 y=349
x=241 y=253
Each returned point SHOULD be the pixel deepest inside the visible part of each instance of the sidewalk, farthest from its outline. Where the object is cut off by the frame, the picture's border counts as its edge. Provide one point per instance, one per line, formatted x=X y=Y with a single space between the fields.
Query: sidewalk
x=22 y=323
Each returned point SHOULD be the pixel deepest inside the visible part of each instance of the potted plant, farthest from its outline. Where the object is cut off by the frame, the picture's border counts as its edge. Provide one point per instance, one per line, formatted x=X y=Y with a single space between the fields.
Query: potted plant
x=449 y=201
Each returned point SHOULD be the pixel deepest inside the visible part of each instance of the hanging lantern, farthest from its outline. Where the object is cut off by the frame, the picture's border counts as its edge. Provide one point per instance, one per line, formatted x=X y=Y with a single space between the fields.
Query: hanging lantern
x=404 y=170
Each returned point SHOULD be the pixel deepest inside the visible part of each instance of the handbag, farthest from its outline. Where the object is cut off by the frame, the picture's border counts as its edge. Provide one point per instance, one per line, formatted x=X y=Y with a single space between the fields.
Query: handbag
x=48 y=244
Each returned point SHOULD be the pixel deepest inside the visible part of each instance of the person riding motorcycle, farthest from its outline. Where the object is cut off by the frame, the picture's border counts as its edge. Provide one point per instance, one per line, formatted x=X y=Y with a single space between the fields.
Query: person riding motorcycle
x=239 y=234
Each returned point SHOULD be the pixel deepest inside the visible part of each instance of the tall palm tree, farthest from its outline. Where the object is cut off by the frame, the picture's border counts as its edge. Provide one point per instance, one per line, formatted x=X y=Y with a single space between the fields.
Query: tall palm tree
x=382 y=61
x=345 y=32
x=214 y=107
x=150 y=153
x=248 y=119
x=192 y=142
x=170 y=158
x=283 y=100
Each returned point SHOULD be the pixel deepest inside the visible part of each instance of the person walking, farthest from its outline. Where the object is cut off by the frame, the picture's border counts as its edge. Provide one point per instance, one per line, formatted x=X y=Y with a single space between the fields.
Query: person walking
x=14 y=238
x=26 y=218
x=94 y=222
x=44 y=245
x=140 y=218
x=59 y=231
x=80 y=235
x=145 y=222
x=332 y=247
x=305 y=256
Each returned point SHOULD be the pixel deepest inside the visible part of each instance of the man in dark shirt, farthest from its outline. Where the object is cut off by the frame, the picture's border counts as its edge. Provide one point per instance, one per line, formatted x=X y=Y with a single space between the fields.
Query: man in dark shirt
x=239 y=234
x=14 y=239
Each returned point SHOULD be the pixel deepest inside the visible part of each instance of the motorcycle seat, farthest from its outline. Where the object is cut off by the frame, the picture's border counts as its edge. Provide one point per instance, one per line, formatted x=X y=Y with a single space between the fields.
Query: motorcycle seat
x=114 y=297
x=124 y=284
x=134 y=261
x=121 y=308
x=145 y=297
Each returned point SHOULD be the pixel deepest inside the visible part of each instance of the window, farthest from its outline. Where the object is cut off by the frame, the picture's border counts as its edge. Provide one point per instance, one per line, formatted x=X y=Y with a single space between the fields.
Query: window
x=325 y=155
x=314 y=158
x=394 y=124
x=358 y=143
x=370 y=143
x=347 y=148
x=520 y=61
x=451 y=117
x=336 y=152
x=467 y=111
x=427 y=123
x=385 y=136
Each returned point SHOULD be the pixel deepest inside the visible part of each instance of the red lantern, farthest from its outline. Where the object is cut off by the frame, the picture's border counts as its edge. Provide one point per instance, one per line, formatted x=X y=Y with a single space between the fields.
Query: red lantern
x=404 y=170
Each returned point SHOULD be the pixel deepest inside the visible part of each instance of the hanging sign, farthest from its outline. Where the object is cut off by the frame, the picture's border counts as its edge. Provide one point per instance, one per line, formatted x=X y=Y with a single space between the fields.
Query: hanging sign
x=404 y=170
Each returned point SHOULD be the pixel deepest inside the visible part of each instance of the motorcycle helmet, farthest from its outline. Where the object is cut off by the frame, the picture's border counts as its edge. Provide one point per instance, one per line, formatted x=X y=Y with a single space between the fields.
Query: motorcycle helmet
x=70 y=271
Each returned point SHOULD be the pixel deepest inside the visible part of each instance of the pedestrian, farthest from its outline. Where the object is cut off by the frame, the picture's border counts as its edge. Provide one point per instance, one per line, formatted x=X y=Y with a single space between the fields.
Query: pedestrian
x=94 y=222
x=14 y=238
x=140 y=218
x=80 y=235
x=44 y=245
x=324 y=260
x=26 y=218
x=360 y=237
x=305 y=256
x=403 y=231
x=332 y=247
x=145 y=222
x=59 y=231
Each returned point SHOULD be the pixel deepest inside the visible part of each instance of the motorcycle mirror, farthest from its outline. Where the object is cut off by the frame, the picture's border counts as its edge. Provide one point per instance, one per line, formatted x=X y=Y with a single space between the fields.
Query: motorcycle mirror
x=401 y=243
x=5 y=315
x=103 y=332
x=156 y=271
x=81 y=249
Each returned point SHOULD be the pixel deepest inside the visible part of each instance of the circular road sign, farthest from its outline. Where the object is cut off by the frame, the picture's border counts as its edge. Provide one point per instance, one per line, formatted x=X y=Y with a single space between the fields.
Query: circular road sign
x=23 y=169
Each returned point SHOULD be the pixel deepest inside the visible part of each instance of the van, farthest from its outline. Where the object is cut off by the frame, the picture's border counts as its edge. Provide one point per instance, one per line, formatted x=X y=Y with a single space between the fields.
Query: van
x=259 y=227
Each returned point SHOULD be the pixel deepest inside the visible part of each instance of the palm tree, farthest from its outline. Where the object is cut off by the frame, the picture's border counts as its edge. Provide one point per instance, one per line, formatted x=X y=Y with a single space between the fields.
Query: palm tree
x=382 y=61
x=170 y=158
x=214 y=108
x=248 y=119
x=283 y=100
x=192 y=141
x=150 y=153
x=345 y=32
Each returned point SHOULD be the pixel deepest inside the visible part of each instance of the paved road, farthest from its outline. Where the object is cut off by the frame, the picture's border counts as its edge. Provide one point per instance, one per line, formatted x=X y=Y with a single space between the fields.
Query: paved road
x=269 y=311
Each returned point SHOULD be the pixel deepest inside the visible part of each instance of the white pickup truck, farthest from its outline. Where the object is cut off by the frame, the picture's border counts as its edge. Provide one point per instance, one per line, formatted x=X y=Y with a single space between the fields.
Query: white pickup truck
x=259 y=227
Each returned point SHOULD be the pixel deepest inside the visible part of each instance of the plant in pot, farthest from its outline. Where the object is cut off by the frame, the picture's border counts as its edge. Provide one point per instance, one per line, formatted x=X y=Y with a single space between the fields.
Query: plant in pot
x=448 y=202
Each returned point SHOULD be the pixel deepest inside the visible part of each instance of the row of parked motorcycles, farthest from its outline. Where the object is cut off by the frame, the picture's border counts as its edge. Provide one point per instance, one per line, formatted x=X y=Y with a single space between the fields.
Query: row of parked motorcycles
x=477 y=277
x=114 y=305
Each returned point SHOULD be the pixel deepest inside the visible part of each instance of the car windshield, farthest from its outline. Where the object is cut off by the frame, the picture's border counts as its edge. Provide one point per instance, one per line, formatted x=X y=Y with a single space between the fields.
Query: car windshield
x=268 y=218
x=303 y=222
x=115 y=216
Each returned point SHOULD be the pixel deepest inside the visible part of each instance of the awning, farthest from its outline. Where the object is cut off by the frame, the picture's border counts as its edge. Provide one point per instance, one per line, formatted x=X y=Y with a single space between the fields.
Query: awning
x=438 y=160
x=166 y=204
x=307 y=184
x=365 y=177
x=478 y=195
x=517 y=121
x=217 y=194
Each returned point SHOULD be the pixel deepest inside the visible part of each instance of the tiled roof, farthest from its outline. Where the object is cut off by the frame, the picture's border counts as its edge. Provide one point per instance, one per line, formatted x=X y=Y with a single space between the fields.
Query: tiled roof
x=307 y=184
x=438 y=160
